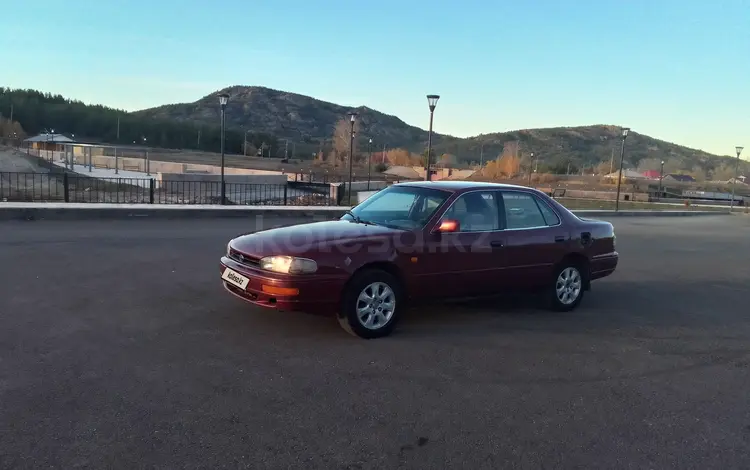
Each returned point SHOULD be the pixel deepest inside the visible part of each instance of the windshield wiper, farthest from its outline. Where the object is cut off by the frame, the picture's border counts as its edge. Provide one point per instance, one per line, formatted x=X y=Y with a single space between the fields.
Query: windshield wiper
x=353 y=216
x=358 y=219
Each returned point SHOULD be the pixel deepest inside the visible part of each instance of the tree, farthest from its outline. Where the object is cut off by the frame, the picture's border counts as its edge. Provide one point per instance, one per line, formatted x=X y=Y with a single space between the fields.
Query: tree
x=36 y=111
x=341 y=139
x=672 y=165
x=251 y=149
x=11 y=130
x=698 y=173
x=402 y=157
x=649 y=164
x=509 y=165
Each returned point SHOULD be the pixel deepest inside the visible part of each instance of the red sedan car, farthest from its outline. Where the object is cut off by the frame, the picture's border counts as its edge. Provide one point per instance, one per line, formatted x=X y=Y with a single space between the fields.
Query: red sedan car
x=420 y=241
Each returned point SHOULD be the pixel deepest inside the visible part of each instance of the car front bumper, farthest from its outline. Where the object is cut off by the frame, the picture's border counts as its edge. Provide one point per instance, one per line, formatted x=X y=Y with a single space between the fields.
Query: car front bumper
x=311 y=293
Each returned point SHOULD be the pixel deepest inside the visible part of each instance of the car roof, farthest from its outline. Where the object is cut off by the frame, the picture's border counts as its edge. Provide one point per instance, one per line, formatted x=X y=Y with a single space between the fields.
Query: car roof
x=458 y=185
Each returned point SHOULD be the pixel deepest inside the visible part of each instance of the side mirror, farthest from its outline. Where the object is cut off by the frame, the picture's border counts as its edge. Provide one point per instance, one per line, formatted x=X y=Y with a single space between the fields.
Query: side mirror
x=448 y=226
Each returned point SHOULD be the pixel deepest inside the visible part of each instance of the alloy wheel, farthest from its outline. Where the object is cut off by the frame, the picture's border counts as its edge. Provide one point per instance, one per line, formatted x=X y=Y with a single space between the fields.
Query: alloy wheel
x=568 y=285
x=376 y=305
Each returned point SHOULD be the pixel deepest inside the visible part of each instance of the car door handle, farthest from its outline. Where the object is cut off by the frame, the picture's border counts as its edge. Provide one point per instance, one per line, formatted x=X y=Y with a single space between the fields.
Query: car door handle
x=559 y=239
x=497 y=244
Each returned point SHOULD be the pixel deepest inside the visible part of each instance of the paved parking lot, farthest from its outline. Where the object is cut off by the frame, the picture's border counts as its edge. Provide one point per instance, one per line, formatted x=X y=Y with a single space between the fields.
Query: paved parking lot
x=119 y=348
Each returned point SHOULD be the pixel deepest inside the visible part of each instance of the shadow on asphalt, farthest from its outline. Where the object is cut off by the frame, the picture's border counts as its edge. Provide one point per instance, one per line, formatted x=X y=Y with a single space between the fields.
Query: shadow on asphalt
x=611 y=308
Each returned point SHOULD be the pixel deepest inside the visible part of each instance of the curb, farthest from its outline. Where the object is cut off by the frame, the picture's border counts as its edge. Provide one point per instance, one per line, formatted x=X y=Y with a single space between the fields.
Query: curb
x=147 y=211
x=646 y=213
x=122 y=212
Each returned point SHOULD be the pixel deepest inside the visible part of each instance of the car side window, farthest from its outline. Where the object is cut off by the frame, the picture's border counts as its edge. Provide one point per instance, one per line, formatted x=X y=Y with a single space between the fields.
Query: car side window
x=475 y=211
x=549 y=215
x=522 y=211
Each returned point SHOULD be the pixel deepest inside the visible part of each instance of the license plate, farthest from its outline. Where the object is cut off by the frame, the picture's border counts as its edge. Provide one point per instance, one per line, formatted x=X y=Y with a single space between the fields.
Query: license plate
x=235 y=278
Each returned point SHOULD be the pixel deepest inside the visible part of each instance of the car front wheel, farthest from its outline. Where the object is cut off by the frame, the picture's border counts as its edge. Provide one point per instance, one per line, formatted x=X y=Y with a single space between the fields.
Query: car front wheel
x=567 y=290
x=370 y=304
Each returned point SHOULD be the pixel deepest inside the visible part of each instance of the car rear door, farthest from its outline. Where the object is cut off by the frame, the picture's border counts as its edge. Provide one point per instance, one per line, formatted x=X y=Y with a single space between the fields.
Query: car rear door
x=535 y=239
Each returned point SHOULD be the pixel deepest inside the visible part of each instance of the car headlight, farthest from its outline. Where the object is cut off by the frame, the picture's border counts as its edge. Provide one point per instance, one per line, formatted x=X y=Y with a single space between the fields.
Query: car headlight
x=229 y=247
x=288 y=265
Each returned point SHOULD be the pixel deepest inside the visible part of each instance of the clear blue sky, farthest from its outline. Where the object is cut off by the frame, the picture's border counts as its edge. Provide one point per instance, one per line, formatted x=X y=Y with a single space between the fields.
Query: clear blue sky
x=674 y=69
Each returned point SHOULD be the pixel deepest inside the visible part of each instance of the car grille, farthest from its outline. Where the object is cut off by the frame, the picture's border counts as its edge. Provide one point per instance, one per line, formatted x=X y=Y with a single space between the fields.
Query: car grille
x=243 y=258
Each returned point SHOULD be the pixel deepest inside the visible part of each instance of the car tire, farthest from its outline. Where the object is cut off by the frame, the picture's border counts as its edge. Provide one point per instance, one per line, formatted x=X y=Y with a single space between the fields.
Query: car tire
x=568 y=286
x=371 y=304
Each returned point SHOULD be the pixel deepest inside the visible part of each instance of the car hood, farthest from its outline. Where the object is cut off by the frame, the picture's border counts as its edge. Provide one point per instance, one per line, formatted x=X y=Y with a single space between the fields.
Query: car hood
x=297 y=240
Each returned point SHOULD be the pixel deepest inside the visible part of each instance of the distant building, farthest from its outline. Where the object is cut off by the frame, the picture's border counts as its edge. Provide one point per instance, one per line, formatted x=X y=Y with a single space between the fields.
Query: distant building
x=652 y=174
x=48 y=141
x=679 y=178
x=626 y=174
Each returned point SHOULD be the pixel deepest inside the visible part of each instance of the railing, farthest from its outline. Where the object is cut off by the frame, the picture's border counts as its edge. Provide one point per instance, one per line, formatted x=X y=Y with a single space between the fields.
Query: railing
x=67 y=187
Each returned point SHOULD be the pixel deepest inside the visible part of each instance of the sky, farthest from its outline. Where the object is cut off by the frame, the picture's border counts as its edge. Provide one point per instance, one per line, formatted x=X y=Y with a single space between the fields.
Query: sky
x=674 y=70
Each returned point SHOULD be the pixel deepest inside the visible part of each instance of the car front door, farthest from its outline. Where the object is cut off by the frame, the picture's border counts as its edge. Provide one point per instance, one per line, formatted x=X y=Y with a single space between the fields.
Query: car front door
x=534 y=241
x=469 y=261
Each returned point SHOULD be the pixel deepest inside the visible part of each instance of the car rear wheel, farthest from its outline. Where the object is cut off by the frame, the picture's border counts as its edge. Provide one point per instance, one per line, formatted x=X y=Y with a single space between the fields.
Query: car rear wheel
x=370 y=304
x=568 y=287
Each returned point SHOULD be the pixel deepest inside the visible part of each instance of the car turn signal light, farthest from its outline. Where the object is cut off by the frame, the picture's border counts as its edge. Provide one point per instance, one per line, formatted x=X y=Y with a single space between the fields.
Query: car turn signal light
x=273 y=290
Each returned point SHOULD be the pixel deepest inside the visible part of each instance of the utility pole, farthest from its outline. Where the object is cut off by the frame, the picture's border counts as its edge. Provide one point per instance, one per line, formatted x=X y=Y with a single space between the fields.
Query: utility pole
x=199 y=138
x=481 y=156
x=383 y=154
x=118 y=128
x=612 y=161
x=11 y=113
x=531 y=159
x=286 y=148
x=369 y=163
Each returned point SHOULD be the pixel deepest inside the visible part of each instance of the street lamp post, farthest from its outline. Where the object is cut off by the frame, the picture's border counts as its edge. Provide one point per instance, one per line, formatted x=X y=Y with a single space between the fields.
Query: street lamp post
x=52 y=136
x=148 y=160
x=625 y=131
x=661 y=178
x=223 y=98
x=432 y=102
x=736 y=174
x=352 y=119
x=531 y=160
x=369 y=163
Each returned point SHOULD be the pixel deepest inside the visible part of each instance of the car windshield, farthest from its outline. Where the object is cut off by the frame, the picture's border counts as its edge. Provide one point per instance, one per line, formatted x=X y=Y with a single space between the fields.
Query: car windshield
x=401 y=207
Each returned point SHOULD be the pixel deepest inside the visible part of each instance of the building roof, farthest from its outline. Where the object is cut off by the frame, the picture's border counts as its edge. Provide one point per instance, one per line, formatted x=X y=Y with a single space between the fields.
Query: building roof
x=402 y=171
x=653 y=174
x=625 y=174
x=57 y=138
x=678 y=177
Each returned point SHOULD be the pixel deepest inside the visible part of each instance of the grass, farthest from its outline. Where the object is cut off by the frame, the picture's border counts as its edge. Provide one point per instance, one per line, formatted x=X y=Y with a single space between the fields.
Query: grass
x=602 y=204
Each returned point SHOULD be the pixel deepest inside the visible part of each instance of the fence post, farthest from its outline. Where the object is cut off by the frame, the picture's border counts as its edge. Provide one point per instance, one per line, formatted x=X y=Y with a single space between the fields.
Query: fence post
x=151 y=191
x=285 y=195
x=66 y=193
x=340 y=193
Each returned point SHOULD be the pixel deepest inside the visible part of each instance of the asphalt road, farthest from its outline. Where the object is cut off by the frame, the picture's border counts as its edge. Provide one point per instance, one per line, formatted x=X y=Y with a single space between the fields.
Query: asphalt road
x=120 y=349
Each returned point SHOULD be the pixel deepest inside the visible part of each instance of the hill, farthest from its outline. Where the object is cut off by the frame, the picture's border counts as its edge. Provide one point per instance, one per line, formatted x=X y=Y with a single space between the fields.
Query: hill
x=304 y=119
x=308 y=124
x=291 y=116
x=593 y=149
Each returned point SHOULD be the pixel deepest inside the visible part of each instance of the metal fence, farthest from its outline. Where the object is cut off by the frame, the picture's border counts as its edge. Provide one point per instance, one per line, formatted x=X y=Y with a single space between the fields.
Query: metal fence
x=68 y=187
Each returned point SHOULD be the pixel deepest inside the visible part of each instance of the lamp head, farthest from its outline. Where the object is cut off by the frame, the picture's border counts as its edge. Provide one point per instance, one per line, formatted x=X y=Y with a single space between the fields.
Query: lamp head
x=432 y=101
